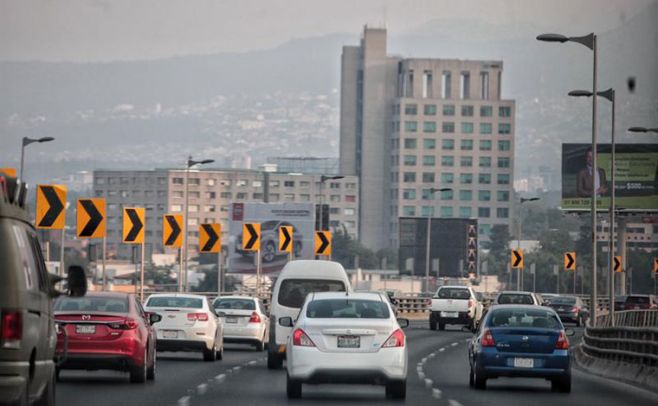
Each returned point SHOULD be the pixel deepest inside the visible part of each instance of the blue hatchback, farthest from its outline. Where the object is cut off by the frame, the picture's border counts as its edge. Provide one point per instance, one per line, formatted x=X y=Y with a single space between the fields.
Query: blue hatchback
x=521 y=341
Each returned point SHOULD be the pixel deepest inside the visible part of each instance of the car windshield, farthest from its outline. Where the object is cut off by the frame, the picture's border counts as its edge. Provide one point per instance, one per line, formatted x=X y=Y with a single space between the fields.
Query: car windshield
x=454 y=293
x=347 y=308
x=235 y=304
x=92 y=304
x=538 y=318
x=172 y=301
x=637 y=300
x=563 y=300
x=515 y=298
x=293 y=291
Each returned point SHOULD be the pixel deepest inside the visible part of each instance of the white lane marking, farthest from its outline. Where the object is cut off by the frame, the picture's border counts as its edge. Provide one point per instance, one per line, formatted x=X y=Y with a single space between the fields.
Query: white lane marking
x=453 y=402
x=424 y=360
x=421 y=376
x=229 y=371
x=436 y=393
x=184 y=401
x=432 y=355
x=428 y=383
x=202 y=389
x=442 y=349
x=252 y=362
x=467 y=340
x=237 y=368
x=220 y=378
x=454 y=344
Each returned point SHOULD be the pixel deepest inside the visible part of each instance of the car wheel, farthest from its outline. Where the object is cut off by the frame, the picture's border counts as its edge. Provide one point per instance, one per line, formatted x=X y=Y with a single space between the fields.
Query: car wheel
x=396 y=389
x=211 y=354
x=269 y=253
x=274 y=361
x=138 y=372
x=48 y=395
x=442 y=325
x=293 y=388
x=432 y=323
x=479 y=379
x=260 y=346
x=561 y=384
x=57 y=374
x=150 y=373
x=471 y=378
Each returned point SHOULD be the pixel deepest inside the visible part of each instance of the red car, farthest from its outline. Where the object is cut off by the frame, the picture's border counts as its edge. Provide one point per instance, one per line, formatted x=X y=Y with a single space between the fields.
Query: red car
x=105 y=330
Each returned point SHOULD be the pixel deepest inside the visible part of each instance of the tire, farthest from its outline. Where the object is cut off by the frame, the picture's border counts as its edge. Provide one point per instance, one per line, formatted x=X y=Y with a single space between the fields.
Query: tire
x=57 y=374
x=260 y=346
x=432 y=323
x=274 y=361
x=150 y=372
x=479 y=379
x=396 y=389
x=442 y=325
x=561 y=384
x=211 y=354
x=293 y=388
x=138 y=373
x=48 y=395
x=579 y=322
x=471 y=378
x=220 y=354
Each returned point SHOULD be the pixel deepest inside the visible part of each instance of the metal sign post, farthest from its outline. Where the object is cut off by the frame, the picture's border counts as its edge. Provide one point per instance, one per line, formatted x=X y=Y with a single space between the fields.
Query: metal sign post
x=141 y=277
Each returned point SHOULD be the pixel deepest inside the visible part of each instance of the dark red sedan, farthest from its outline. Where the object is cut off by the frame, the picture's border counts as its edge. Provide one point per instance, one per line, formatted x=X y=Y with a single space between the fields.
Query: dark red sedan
x=106 y=330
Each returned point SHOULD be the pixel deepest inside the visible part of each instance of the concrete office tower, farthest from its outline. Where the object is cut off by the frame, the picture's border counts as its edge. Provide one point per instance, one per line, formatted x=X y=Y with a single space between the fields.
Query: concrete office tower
x=409 y=125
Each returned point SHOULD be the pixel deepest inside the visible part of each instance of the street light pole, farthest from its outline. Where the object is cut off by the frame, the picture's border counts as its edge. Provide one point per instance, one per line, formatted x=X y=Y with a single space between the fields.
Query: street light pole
x=323 y=179
x=429 y=233
x=518 y=236
x=27 y=141
x=190 y=163
x=590 y=42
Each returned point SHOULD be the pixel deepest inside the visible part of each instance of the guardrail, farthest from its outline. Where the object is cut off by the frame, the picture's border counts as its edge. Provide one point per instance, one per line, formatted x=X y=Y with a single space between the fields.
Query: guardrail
x=412 y=304
x=633 y=339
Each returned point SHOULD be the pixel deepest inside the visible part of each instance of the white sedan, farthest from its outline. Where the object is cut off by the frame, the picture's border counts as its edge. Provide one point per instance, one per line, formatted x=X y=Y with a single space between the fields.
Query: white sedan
x=188 y=324
x=347 y=338
x=244 y=319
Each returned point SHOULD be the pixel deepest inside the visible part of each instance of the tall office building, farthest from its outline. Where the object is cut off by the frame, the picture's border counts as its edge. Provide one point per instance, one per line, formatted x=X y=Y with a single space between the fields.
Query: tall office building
x=410 y=125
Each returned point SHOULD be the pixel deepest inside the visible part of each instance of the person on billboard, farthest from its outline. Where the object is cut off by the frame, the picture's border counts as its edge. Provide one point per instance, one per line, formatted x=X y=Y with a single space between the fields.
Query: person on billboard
x=585 y=180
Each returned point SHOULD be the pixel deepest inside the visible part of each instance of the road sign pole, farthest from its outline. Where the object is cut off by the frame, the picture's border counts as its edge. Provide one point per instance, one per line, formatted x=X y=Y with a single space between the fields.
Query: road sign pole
x=180 y=270
x=141 y=277
x=219 y=273
x=48 y=251
x=574 y=281
x=103 y=263
x=61 y=254
x=258 y=272
x=556 y=270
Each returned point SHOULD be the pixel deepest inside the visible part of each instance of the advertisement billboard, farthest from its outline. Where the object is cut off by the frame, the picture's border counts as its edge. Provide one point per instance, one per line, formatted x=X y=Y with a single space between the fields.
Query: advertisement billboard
x=636 y=176
x=453 y=241
x=270 y=216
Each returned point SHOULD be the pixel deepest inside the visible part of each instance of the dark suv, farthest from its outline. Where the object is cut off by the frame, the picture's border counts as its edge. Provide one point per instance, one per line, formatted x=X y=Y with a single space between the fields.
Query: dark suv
x=27 y=329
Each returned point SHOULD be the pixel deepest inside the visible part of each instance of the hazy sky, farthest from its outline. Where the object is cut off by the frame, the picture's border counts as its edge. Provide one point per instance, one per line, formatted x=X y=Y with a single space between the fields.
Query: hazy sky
x=102 y=30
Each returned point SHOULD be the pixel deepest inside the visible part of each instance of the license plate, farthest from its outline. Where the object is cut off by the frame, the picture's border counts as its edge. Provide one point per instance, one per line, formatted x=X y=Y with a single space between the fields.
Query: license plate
x=561 y=309
x=85 y=329
x=170 y=334
x=232 y=320
x=349 y=341
x=452 y=315
x=524 y=362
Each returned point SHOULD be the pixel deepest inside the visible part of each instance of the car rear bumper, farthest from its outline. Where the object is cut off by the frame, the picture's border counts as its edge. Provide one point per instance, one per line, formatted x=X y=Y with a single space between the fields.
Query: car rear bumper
x=462 y=317
x=183 y=345
x=314 y=366
x=249 y=332
x=494 y=364
x=569 y=316
x=99 y=361
x=13 y=378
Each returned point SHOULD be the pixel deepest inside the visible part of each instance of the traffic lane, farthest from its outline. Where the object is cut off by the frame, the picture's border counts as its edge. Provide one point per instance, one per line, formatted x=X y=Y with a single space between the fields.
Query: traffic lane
x=177 y=373
x=449 y=373
x=256 y=385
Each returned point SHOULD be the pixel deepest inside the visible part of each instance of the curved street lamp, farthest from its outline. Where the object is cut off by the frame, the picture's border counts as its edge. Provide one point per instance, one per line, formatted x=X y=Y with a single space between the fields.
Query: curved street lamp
x=27 y=141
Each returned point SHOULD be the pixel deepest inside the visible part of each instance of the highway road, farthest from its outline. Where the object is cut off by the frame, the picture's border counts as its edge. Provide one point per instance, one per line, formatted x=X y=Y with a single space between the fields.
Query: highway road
x=438 y=375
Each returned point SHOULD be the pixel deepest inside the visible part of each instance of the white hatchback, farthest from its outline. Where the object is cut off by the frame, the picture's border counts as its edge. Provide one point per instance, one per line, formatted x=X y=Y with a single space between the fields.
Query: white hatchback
x=188 y=324
x=244 y=319
x=347 y=338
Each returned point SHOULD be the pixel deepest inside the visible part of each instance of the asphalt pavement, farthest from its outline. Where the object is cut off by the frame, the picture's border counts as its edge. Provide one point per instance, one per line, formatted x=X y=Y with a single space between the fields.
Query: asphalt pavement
x=438 y=374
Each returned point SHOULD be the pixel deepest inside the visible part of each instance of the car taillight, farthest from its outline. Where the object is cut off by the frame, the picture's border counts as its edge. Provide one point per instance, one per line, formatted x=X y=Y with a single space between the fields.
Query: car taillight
x=562 y=342
x=575 y=310
x=197 y=316
x=299 y=338
x=487 y=339
x=255 y=318
x=127 y=324
x=395 y=340
x=11 y=329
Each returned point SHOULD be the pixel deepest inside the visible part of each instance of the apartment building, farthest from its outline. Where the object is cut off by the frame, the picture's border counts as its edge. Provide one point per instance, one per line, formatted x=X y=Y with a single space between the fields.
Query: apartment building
x=211 y=192
x=409 y=126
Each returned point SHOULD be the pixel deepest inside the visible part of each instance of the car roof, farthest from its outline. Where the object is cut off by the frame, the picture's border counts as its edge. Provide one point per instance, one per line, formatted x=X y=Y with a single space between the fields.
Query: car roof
x=313 y=269
x=454 y=286
x=174 y=294
x=235 y=297
x=349 y=295
x=521 y=306
x=103 y=294
x=515 y=292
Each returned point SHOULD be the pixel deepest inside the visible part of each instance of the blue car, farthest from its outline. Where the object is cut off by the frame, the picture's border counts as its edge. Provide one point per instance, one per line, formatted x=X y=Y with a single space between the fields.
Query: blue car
x=520 y=341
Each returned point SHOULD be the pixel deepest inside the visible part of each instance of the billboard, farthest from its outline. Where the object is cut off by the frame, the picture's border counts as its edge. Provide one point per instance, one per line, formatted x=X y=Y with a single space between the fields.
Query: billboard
x=636 y=176
x=270 y=216
x=453 y=241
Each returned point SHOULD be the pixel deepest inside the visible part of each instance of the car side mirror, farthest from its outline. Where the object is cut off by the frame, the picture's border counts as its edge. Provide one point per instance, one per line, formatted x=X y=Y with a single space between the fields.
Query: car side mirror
x=404 y=323
x=286 y=322
x=154 y=318
x=569 y=332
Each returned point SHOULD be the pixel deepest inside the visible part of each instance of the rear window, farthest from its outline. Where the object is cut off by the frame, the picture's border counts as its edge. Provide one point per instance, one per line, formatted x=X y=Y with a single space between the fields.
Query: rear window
x=184 y=302
x=515 y=298
x=454 y=293
x=563 y=300
x=235 y=304
x=637 y=300
x=91 y=304
x=538 y=318
x=347 y=309
x=293 y=291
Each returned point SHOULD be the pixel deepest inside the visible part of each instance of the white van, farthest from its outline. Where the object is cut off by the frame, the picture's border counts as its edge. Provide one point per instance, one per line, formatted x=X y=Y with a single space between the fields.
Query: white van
x=297 y=279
